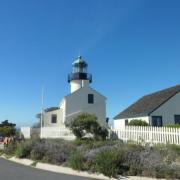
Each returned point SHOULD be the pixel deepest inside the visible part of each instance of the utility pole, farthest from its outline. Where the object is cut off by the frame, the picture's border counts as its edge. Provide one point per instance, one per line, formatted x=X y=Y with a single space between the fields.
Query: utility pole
x=42 y=111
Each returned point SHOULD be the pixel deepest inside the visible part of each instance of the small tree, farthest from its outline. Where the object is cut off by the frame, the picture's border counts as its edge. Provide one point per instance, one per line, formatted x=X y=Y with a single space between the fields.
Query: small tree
x=87 y=123
x=7 y=129
x=138 y=122
x=7 y=123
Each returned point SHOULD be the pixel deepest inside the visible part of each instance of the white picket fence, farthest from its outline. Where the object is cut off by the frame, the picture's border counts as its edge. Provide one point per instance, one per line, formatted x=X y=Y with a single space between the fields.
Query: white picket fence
x=141 y=134
x=148 y=134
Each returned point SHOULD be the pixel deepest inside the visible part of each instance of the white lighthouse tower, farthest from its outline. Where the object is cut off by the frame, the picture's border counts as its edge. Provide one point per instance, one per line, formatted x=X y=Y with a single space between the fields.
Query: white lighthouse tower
x=79 y=77
x=82 y=99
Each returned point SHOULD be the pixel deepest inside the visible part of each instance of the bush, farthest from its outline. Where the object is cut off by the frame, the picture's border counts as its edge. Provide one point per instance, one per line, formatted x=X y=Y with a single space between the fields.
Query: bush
x=38 y=152
x=10 y=149
x=142 y=161
x=174 y=147
x=106 y=162
x=7 y=129
x=138 y=122
x=57 y=151
x=173 y=125
x=86 y=125
x=24 y=148
x=50 y=151
x=108 y=157
x=168 y=172
x=76 y=161
x=100 y=133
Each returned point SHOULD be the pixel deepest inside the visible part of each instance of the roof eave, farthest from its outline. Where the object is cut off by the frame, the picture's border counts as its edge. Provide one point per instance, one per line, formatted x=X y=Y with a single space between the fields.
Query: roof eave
x=127 y=117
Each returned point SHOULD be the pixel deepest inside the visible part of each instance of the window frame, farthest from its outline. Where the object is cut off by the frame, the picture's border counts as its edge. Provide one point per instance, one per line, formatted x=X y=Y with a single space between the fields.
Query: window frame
x=126 y=122
x=52 y=120
x=90 y=98
x=156 y=123
x=175 y=118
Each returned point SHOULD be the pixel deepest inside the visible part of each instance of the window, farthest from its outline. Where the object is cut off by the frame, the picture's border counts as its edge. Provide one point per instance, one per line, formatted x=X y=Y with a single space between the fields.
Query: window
x=107 y=120
x=53 y=118
x=157 y=121
x=177 y=119
x=126 y=122
x=90 y=98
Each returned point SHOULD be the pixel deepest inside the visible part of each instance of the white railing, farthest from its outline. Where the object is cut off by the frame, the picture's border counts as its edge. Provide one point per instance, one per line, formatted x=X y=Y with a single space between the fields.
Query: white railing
x=48 y=132
x=148 y=134
x=55 y=132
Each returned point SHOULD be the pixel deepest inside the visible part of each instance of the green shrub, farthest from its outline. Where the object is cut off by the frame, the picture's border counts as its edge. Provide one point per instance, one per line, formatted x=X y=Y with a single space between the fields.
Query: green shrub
x=100 y=133
x=24 y=148
x=106 y=162
x=173 y=125
x=34 y=163
x=7 y=129
x=10 y=149
x=174 y=147
x=138 y=122
x=87 y=125
x=1 y=152
x=57 y=151
x=168 y=172
x=84 y=141
x=108 y=157
x=38 y=152
x=76 y=161
x=54 y=151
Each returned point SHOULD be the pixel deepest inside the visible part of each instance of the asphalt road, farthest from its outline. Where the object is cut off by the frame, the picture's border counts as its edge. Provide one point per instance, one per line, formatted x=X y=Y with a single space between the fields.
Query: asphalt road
x=12 y=171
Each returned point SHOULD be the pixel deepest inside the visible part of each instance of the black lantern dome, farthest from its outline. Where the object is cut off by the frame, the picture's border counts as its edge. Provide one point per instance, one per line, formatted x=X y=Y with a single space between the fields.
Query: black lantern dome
x=79 y=71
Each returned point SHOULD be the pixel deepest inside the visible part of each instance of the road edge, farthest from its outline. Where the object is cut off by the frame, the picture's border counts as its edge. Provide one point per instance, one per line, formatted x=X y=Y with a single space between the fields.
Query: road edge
x=69 y=171
x=56 y=169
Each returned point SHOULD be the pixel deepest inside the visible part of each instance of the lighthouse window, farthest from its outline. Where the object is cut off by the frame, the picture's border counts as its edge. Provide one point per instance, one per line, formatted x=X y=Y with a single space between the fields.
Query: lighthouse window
x=54 y=118
x=90 y=98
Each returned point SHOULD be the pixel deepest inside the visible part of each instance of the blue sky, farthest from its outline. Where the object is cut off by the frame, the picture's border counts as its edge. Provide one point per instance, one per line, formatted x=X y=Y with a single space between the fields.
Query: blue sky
x=132 y=48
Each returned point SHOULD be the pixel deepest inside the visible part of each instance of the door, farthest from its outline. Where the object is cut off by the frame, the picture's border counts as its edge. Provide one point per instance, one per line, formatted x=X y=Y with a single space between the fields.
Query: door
x=156 y=121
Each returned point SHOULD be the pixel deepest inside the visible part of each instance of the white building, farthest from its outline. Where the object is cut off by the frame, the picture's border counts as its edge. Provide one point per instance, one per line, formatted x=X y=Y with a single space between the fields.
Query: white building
x=157 y=109
x=82 y=99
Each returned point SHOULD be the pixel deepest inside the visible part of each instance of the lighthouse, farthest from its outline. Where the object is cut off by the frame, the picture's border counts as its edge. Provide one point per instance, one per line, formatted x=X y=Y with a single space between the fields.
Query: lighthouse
x=79 y=77
x=81 y=99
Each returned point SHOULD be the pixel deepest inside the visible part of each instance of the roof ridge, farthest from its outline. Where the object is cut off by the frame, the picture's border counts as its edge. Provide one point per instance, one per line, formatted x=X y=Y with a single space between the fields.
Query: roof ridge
x=162 y=90
x=147 y=104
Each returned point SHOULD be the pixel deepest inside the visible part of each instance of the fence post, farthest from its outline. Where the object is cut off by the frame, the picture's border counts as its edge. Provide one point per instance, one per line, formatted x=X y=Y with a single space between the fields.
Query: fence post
x=179 y=137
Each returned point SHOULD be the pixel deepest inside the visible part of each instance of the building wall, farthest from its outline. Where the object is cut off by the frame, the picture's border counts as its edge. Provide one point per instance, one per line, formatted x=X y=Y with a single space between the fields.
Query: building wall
x=168 y=110
x=47 y=119
x=63 y=108
x=77 y=84
x=77 y=103
x=120 y=123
